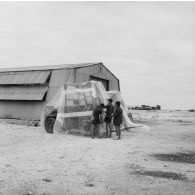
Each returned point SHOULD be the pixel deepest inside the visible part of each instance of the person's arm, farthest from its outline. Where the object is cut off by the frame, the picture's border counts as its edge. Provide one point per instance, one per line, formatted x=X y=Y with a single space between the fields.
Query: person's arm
x=92 y=116
x=121 y=112
x=100 y=116
x=112 y=112
x=106 y=109
x=116 y=113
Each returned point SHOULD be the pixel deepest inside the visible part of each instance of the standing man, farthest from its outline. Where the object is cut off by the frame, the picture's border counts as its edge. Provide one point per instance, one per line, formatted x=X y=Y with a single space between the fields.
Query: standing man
x=108 y=117
x=118 y=119
x=96 y=120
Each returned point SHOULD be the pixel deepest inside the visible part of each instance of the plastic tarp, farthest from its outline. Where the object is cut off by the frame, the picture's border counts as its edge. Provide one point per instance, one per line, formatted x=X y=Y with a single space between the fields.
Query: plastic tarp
x=116 y=96
x=71 y=108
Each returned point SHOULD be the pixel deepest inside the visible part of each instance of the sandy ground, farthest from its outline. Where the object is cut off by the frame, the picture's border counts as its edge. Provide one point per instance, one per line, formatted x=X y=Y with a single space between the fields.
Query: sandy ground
x=33 y=162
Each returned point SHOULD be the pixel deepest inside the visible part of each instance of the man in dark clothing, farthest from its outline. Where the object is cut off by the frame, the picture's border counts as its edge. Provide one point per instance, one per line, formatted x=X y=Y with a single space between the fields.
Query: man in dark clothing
x=96 y=120
x=118 y=119
x=108 y=117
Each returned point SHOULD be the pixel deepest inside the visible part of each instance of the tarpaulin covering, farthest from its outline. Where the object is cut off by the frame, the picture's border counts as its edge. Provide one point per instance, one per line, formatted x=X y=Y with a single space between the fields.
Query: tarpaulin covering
x=71 y=108
x=116 y=96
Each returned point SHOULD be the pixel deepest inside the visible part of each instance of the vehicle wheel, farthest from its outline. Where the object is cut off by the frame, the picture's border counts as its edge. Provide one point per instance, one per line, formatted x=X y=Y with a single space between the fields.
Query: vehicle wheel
x=85 y=128
x=49 y=124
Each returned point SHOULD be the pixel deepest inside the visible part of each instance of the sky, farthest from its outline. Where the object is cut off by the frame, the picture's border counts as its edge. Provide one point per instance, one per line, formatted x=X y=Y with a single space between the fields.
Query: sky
x=149 y=46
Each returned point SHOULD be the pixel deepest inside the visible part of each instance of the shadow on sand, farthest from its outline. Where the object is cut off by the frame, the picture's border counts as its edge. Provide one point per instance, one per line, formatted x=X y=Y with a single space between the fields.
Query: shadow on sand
x=185 y=157
x=161 y=174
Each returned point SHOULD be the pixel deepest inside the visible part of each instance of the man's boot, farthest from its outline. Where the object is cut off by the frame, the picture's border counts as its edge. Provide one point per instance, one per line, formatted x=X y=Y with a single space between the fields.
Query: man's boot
x=110 y=135
x=119 y=134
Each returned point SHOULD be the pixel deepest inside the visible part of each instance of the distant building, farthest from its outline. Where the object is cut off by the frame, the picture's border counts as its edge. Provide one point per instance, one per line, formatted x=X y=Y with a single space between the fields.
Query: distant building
x=158 y=107
x=145 y=107
x=24 y=91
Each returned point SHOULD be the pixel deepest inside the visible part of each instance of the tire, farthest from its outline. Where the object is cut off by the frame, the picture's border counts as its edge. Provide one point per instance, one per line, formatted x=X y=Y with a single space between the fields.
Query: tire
x=49 y=124
x=85 y=128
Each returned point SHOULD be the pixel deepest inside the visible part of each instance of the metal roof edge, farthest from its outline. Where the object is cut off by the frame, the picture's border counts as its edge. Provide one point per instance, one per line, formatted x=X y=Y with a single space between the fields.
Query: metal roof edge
x=48 y=67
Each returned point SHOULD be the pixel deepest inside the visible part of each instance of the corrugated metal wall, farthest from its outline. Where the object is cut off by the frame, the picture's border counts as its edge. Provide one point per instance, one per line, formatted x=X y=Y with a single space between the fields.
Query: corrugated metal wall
x=32 y=109
x=20 y=109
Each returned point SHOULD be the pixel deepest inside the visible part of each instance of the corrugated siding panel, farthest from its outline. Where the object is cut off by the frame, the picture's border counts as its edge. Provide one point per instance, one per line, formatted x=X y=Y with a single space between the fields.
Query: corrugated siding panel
x=22 y=93
x=100 y=75
x=80 y=78
x=89 y=70
x=59 y=77
x=114 y=85
x=20 y=78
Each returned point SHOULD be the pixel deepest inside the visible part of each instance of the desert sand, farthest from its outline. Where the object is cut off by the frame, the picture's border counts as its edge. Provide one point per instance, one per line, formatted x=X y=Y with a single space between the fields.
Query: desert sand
x=34 y=162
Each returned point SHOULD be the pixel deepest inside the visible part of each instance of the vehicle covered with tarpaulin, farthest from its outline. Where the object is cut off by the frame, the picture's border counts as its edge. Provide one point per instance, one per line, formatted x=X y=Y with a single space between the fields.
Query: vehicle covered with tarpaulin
x=71 y=108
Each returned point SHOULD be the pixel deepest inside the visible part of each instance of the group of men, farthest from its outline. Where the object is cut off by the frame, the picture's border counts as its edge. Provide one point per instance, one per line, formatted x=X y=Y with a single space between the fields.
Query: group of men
x=114 y=114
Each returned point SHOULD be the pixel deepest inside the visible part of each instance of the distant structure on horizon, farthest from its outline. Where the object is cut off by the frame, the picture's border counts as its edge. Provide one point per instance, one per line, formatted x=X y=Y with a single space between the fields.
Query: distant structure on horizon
x=145 y=107
x=191 y=110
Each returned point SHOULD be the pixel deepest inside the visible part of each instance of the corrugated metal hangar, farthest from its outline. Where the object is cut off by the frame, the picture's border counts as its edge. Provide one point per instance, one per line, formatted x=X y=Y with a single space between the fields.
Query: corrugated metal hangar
x=25 y=90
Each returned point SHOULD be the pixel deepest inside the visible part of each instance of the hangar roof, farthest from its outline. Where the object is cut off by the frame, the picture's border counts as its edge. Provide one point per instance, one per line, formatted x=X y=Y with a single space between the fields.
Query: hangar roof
x=52 y=67
x=48 y=67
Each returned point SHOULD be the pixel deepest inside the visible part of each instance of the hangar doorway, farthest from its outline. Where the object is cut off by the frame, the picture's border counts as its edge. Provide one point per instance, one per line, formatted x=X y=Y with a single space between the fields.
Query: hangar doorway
x=104 y=81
